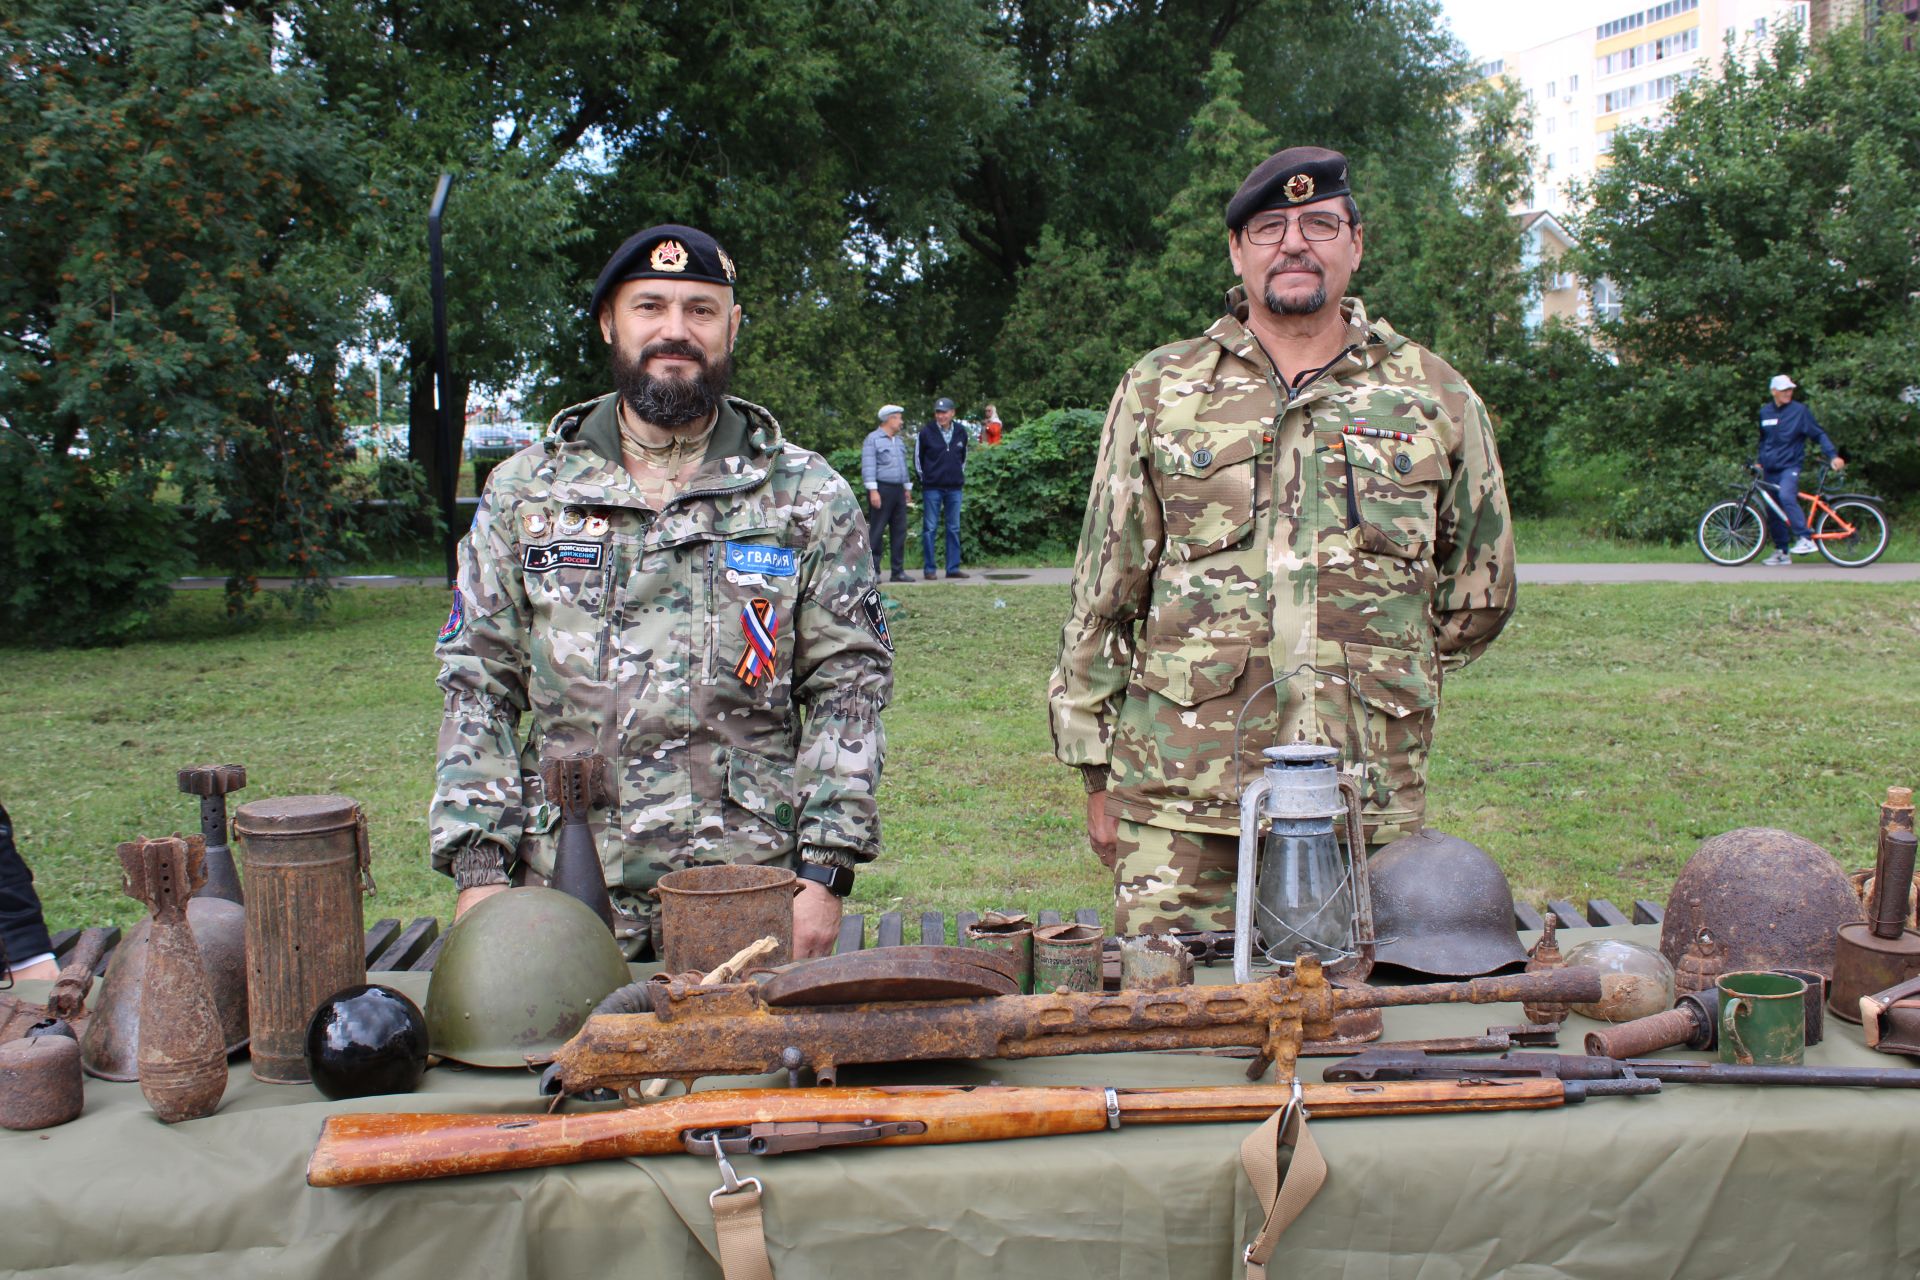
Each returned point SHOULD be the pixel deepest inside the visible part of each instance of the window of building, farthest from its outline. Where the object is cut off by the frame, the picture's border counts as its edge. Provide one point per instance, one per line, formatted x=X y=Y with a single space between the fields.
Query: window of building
x=1552 y=162
x=1759 y=28
x=1573 y=82
x=1553 y=88
x=1573 y=157
x=1549 y=124
x=1606 y=300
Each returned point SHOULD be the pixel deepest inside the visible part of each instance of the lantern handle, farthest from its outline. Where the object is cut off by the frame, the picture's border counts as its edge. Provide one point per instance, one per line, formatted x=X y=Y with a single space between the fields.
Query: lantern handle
x=1363 y=940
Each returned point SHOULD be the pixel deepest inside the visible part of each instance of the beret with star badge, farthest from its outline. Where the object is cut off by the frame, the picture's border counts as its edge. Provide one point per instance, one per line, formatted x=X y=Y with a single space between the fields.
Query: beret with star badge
x=1296 y=176
x=666 y=252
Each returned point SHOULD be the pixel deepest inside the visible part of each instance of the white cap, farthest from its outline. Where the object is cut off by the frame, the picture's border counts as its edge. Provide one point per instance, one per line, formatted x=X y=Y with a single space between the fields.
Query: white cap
x=888 y=410
x=1781 y=382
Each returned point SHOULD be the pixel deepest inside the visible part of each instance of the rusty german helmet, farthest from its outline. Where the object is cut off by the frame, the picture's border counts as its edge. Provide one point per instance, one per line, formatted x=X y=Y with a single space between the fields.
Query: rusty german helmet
x=1441 y=906
x=1770 y=900
x=110 y=1045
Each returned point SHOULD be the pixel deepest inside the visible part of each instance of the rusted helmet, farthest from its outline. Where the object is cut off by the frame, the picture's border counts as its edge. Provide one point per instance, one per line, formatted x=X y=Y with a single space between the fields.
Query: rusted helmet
x=518 y=975
x=110 y=1045
x=1441 y=906
x=1769 y=899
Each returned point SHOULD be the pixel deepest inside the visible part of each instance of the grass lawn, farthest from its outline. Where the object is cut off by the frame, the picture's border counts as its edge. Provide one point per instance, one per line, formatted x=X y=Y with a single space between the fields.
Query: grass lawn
x=1608 y=731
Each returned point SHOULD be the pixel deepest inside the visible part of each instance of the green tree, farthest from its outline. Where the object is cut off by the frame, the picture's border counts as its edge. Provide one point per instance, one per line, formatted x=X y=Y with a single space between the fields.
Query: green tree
x=172 y=208
x=1769 y=226
x=1058 y=347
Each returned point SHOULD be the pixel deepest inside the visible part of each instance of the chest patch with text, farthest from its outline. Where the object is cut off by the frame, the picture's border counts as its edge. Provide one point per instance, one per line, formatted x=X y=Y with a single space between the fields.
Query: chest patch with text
x=752 y=557
x=556 y=555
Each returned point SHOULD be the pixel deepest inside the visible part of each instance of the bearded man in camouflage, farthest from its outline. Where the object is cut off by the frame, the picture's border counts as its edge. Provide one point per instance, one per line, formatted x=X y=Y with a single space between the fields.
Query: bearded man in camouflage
x=666 y=581
x=1299 y=496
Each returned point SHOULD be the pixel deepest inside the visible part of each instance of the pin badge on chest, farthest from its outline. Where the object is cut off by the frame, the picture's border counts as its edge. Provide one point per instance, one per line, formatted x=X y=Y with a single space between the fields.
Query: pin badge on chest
x=535 y=523
x=596 y=526
x=573 y=520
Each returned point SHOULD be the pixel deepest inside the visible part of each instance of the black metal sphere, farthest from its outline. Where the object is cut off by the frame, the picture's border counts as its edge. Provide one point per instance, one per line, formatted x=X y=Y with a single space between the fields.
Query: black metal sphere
x=365 y=1040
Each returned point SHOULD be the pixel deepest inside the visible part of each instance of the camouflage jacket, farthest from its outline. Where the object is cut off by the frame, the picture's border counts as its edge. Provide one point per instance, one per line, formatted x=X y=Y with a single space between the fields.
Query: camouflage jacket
x=1235 y=534
x=625 y=630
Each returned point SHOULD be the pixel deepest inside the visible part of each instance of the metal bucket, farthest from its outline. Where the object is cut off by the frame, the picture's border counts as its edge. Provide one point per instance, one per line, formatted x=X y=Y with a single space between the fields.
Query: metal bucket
x=1007 y=935
x=707 y=914
x=1066 y=957
x=307 y=863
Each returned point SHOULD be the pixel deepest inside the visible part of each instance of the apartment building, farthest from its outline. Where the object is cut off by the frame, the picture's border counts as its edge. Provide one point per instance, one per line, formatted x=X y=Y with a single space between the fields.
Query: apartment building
x=1588 y=84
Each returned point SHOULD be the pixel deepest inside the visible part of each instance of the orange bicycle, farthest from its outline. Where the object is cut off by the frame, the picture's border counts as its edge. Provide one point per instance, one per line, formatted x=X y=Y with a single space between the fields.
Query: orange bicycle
x=1850 y=529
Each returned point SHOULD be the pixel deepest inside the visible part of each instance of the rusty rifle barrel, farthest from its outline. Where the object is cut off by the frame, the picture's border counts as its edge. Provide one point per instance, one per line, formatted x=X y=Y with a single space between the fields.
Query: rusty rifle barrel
x=1566 y=986
x=1892 y=884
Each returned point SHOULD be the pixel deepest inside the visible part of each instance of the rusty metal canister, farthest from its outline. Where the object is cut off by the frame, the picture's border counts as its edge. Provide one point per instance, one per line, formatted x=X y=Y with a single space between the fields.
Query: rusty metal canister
x=1066 y=957
x=39 y=1082
x=1009 y=934
x=1152 y=962
x=707 y=914
x=307 y=863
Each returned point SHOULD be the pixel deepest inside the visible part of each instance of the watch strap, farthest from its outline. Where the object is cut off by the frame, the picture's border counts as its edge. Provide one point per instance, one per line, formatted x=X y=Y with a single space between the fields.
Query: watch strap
x=838 y=881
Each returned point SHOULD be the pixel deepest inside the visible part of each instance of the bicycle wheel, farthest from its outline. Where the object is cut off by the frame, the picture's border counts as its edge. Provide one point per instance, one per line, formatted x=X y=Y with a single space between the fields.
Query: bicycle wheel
x=1861 y=547
x=1731 y=533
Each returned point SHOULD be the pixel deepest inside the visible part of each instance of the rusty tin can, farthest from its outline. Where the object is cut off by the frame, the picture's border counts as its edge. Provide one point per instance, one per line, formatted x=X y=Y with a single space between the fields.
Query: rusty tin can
x=707 y=914
x=1154 y=963
x=39 y=1082
x=307 y=864
x=1009 y=935
x=1066 y=957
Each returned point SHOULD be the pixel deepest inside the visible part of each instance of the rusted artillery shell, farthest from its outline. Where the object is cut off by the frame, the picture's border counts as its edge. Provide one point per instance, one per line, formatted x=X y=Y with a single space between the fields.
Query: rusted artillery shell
x=307 y=864
x=39 y=1082
x=576 y=784
x=1642 y=1036
x=1152 y=963
x=110 y=1042
x=213 y=783
x=707 y=914
x=1010 y=936
x=1066 y=957
x=181 y=1062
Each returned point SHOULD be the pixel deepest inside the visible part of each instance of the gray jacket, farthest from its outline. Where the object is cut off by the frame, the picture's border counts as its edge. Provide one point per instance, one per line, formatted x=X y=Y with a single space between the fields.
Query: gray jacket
x=883 y=460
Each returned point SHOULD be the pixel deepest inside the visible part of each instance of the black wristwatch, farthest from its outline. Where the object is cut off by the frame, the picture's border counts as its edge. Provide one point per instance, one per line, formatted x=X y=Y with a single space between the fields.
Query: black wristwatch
x=838 y=880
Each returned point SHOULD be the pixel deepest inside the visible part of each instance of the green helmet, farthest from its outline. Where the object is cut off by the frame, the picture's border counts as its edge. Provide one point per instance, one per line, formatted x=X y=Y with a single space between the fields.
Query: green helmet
x=518 y=975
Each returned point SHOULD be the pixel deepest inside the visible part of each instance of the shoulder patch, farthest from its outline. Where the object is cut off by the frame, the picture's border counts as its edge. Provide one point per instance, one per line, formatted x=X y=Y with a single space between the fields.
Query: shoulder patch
x=456 y=619
x=754 y=557
x=877 y=616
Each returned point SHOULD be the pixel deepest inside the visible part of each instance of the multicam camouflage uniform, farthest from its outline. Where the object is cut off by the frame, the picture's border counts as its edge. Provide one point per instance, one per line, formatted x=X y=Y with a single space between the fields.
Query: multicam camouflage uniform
x=1235 y=534
x=613 y=612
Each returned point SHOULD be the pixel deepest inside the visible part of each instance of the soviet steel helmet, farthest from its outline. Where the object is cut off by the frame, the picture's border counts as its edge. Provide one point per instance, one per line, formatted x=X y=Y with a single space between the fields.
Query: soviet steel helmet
x=1441 y=906
x=110 y=1044
x=518 y=975
x=1769 y=899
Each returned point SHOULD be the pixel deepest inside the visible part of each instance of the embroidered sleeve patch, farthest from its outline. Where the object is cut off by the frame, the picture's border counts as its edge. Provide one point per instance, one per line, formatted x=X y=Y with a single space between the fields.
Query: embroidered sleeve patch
x=877 y=616
x=753 y=557
x=456 y=619
x=556 y=555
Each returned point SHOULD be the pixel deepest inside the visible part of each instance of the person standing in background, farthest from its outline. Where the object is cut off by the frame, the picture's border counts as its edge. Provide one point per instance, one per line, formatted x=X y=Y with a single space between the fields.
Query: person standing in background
x=940 y=458
x=883 y=473
x=990 y=433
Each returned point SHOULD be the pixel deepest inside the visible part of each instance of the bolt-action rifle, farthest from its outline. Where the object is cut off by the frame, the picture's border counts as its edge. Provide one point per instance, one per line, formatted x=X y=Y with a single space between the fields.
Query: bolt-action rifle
x=358 y=1150
x=1395 y=1065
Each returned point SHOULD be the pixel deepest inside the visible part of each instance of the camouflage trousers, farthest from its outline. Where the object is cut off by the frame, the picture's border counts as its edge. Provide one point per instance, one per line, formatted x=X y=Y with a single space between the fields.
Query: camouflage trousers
x=1168 y=881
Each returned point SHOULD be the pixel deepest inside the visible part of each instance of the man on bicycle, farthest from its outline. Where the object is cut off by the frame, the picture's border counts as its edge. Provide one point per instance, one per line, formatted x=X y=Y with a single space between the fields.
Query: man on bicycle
x=1786 y=425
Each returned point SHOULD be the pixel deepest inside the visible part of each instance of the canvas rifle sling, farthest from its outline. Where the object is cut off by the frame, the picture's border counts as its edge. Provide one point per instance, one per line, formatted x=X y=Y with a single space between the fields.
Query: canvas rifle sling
x=1282 y=1195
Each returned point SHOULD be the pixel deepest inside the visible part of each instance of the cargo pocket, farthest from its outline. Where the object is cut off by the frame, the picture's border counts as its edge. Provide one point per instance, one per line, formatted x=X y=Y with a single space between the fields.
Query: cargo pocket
x=761 y=815
x=1393 y=493
x=1193 y=676
x=1205 y=480
x=1393 y=696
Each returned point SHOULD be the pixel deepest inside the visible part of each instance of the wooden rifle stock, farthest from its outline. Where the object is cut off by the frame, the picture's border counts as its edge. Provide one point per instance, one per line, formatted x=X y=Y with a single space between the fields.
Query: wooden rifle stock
x=362 y=1149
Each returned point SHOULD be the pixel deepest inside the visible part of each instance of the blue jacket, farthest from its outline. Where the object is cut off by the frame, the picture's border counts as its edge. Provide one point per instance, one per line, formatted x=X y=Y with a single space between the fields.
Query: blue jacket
x=1784 y=433
x=941 y=456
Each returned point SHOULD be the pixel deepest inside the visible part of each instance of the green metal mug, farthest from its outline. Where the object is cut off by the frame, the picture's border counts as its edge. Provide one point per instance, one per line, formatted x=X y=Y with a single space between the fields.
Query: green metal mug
x=1763 y=1019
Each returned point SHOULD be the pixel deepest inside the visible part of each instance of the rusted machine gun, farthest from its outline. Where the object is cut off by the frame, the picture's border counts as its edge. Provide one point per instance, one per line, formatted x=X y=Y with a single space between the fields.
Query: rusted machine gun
x=731 y=1029
x=357 y=1150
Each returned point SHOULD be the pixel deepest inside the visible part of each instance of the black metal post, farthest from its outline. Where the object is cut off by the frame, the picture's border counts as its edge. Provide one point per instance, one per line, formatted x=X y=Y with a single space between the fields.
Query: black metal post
x=449 y=476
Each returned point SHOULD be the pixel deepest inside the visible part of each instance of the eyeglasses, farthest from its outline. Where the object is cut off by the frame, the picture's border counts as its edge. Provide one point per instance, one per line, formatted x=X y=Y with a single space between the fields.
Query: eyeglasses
x=1271 y=228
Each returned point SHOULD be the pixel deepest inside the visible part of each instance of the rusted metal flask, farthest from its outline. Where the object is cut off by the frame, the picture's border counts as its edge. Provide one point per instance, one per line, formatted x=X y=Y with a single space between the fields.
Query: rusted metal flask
x=307 y=863
x=182 y=1063
x=576 y=784
x=1544 y=958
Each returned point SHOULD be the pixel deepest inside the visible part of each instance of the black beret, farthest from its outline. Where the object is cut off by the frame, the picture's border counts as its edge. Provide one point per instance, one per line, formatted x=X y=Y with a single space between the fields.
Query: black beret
x=1298 y=175
x=667 y=252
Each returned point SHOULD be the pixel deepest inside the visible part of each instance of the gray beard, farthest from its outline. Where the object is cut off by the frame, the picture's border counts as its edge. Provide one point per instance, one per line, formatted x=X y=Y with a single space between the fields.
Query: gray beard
x=1281 y=307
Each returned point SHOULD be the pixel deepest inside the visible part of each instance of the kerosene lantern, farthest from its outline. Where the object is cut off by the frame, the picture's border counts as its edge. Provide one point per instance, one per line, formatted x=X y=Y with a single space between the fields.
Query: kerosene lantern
x=1299 y=888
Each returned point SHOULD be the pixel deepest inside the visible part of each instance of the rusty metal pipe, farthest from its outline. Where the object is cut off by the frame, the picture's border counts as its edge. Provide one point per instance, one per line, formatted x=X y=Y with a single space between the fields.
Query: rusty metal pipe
x=1681 y=1025
x=1892 y=884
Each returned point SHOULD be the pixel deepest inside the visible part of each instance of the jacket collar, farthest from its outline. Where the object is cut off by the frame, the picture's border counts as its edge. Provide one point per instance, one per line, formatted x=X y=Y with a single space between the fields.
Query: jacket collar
x=583 y=453
x=1368 y=342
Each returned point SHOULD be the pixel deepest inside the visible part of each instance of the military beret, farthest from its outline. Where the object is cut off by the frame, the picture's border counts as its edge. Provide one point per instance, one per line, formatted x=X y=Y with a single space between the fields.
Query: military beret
x=666 y=252
x=1298 y=175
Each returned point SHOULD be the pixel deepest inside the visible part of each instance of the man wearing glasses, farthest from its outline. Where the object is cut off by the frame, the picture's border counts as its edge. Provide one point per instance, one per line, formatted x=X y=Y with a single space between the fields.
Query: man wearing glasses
x=1299 y=512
